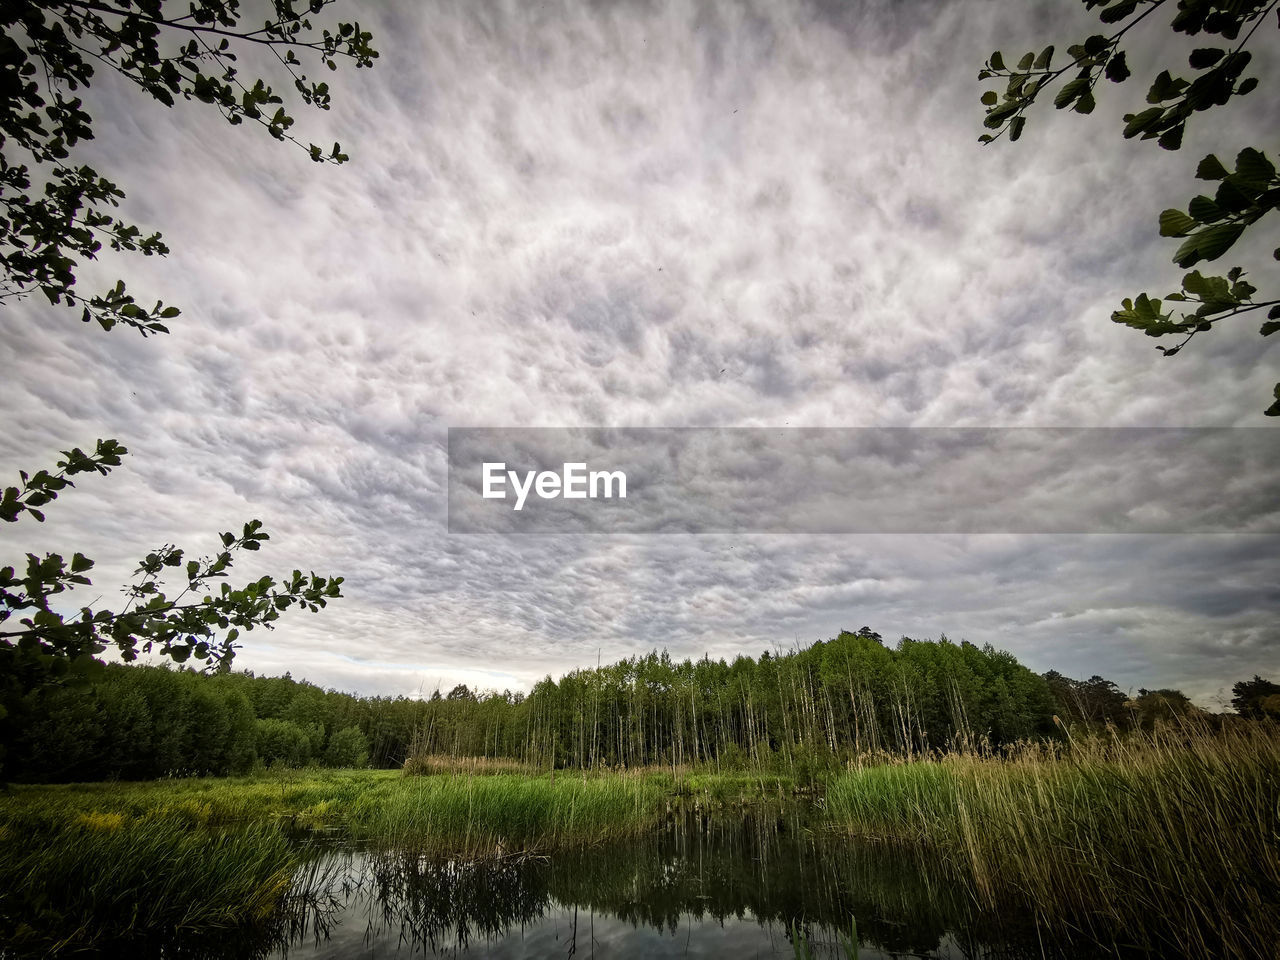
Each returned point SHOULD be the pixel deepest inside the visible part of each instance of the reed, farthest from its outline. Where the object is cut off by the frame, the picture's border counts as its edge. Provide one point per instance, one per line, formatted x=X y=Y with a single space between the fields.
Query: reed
x=420 y=765
x=444 y=814
x=103 y=876
x=504 y=813
x=1169 y=840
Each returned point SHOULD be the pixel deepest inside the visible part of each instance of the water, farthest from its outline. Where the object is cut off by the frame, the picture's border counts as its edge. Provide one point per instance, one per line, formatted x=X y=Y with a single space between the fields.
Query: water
x=740 y=885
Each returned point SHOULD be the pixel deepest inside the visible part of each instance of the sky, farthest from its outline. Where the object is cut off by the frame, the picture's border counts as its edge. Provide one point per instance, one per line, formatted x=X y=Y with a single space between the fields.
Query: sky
x=648 y=214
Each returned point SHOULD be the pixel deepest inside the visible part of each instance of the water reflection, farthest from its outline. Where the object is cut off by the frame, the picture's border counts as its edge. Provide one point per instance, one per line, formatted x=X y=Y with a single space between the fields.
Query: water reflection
x=743 y=885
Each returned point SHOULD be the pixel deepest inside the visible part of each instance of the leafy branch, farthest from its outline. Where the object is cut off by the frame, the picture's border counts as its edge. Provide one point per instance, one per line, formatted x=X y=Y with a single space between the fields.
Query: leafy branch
x=205 y=629
x=43 y=487
x=1210 y=226
x=48 y=51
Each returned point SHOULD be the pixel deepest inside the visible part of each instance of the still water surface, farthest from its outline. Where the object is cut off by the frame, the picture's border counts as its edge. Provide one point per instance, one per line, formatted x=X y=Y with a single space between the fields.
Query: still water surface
x=739 y=885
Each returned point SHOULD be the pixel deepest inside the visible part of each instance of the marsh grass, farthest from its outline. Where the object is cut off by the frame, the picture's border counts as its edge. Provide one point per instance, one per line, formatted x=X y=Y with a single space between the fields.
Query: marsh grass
x=102 y=876
x=445 y=814
x=109 y=862
x=1169 y=841
x=504 y=813
x=423 y=765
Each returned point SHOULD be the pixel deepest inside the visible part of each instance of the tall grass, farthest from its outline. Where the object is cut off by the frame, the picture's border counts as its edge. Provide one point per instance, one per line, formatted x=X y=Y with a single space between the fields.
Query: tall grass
x=105 y=877
x=425 y=765
x=504 y=813
x=1169 y=841
x=442 y=814
x=86 y=864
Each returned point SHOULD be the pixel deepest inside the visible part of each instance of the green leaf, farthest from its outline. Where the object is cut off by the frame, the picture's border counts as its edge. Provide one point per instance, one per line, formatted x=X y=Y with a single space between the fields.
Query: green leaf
x=1216 y=240
x=1135 y=123
x=1164 y=87
x=1046 y=55
x=1086 y=103
x=1026 y=61
x=1269 y=328
x=997 y=61
x=1070 y=91
x=1175 y=223
x=996 y=117
x=1194 y=283
x=1204 y=209
x=1171 y=139
x=1253 y=167
x=989 y=98
x=1242 y=289
x=1118 y=11
x=1015 y=127
x=1188 y=255
x=1205 y=57
x=1211 y=168
x=1095 y=44
x=1117 y=68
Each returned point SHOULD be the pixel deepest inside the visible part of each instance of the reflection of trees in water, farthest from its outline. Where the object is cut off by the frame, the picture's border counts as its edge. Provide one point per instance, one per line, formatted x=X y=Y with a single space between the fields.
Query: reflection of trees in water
x=749 y=865
x=447 y=903
x=744 y=866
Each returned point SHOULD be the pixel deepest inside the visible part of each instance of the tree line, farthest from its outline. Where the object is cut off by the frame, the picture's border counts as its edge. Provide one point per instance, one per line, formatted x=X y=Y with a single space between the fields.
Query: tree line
x=800 y=710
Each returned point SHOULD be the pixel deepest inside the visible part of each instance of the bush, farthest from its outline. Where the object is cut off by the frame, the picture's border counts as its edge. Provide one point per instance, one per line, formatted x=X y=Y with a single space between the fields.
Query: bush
x=282 y=741
x=347 y=748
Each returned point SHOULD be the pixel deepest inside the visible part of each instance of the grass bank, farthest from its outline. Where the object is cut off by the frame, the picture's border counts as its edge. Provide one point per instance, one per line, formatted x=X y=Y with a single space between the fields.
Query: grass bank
x=1170 y=841
x=81 y=863
x=437 y=813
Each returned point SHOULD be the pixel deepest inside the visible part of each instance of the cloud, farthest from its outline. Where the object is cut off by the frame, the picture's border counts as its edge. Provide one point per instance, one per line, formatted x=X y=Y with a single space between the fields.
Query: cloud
x=642 y=214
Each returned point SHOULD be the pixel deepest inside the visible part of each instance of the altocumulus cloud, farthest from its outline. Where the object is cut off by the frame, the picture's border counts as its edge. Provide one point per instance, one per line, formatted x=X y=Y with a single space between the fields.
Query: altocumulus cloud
x=643 y=214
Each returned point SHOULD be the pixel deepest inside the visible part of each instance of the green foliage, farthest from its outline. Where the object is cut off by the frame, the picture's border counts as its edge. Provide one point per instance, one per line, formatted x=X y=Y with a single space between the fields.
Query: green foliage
x=49 y=51
x=505 y=813
x=50 y=647
x=803 y=712
x=1256 y=698
x=142 y=722
x=44 y=487
x=1150 y=839
x=283 y=742
x=347 y=748
x=104 y=876
x=800 y=713
x=1096 y=701
x=446 y=814
x=1152 y=707
x=783 y=721
x=1211 y=225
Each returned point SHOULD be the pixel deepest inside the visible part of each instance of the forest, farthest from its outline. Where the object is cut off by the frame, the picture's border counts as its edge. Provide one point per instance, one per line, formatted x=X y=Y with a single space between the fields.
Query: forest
x=801 y=710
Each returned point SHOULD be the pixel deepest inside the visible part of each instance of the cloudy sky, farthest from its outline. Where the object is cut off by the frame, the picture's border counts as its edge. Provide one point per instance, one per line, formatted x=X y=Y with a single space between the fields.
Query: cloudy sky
x=665 y=214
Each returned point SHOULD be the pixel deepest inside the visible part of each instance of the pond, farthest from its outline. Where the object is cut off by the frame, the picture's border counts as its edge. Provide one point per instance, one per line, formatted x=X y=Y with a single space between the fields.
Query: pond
x=745 y=884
